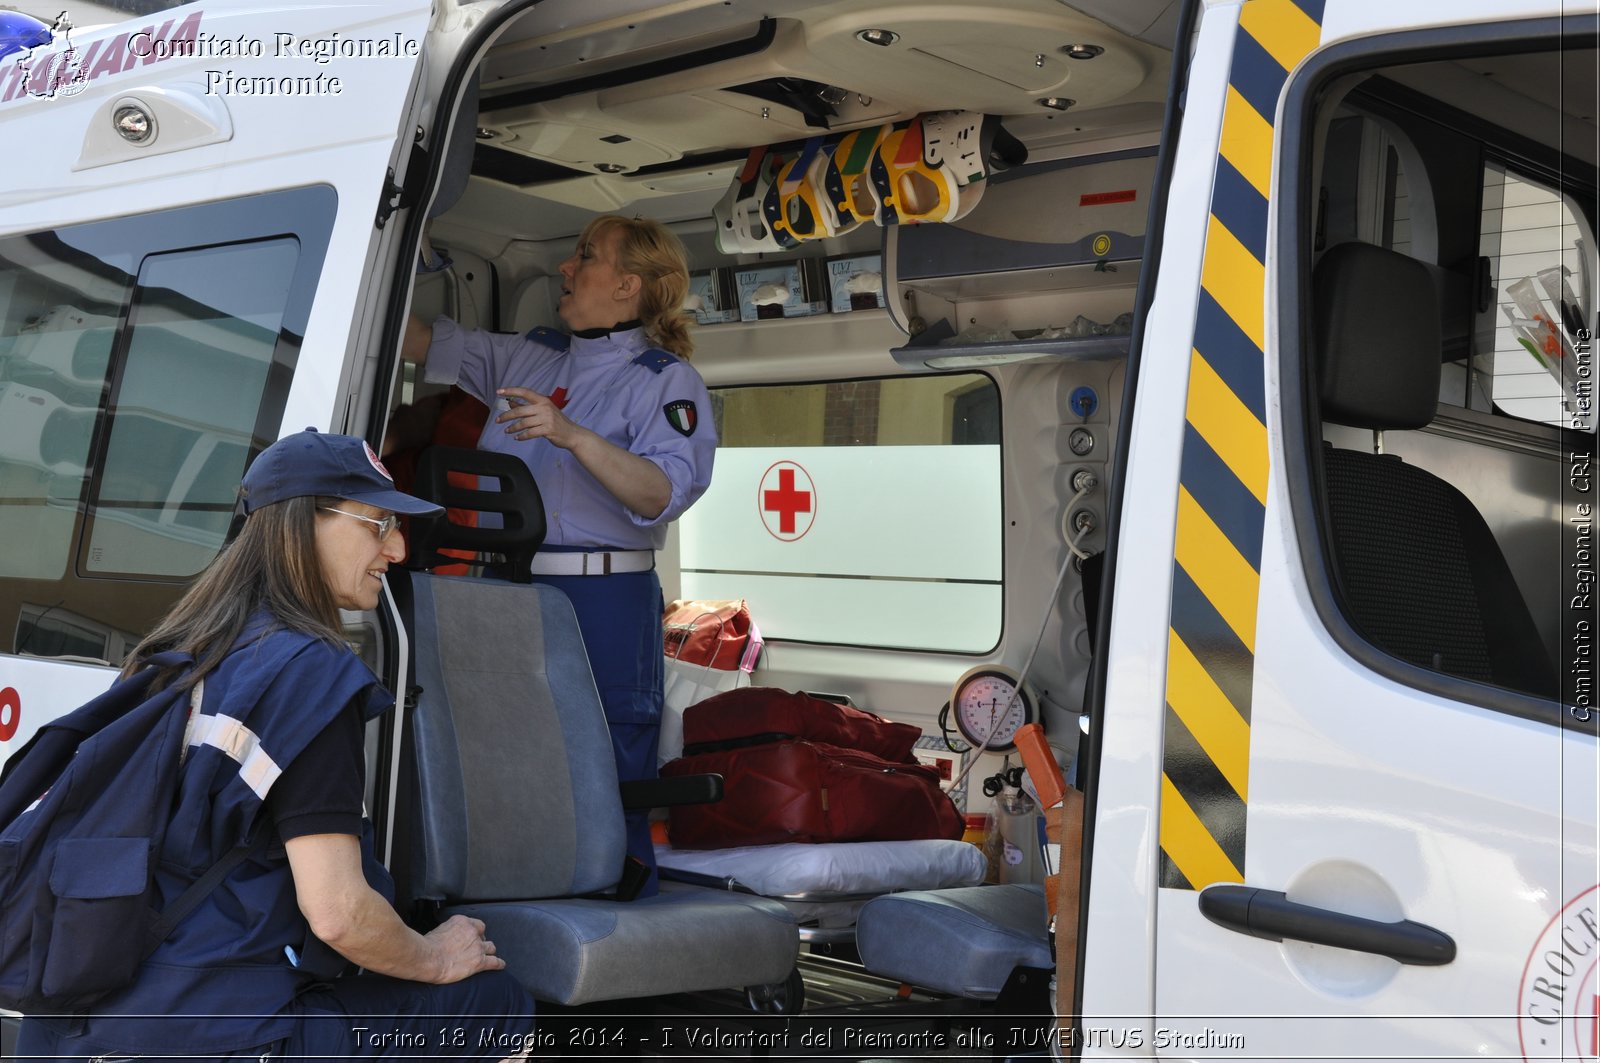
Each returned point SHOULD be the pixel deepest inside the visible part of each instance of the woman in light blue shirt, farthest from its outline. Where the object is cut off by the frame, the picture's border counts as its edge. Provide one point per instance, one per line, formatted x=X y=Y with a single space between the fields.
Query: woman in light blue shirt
x=617 y=430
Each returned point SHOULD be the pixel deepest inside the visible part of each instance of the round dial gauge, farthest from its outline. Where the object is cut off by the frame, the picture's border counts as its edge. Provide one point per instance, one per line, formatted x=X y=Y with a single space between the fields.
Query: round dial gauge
x=988 y=706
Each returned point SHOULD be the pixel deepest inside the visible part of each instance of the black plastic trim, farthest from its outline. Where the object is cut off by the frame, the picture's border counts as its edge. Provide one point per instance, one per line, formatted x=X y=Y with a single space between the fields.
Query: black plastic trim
x=679 y=790
x=1272 y=915
x=1300 y=414
x=758 y=42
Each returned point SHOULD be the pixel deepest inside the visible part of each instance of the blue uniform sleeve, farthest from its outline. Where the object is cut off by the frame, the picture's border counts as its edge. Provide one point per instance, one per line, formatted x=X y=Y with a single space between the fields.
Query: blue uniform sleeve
x=675 y=430
x=478 y=362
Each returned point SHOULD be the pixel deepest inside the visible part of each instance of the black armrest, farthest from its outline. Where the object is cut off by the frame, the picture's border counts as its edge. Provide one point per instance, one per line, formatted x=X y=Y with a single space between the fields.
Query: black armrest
x=679 y=790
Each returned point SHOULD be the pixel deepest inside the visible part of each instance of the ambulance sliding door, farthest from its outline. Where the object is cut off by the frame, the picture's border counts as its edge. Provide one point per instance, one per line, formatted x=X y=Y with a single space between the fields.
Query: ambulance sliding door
x=1359 y=843
x=189 y=230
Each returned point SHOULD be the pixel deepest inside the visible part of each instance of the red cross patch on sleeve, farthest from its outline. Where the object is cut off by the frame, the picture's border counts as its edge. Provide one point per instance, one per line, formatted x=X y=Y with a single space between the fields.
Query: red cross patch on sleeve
x=681 y=415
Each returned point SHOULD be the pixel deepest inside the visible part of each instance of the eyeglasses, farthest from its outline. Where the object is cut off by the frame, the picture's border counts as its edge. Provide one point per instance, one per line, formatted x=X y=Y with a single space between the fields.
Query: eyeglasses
x=384 y=526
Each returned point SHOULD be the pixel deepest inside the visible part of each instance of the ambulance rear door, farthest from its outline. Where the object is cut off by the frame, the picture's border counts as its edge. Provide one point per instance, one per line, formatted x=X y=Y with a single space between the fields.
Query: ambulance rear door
x=1316 y=832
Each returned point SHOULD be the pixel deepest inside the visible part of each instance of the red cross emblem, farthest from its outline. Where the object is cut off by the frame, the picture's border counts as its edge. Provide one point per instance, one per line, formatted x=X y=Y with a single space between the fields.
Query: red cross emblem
x=787 y=500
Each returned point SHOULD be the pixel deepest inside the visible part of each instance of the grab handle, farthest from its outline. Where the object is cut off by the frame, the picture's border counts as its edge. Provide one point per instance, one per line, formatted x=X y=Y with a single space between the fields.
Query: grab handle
x=1272 y=915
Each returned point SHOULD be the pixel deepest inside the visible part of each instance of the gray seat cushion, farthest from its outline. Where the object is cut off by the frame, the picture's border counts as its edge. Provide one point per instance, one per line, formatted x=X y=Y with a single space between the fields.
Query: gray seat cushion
x=520 y=815
x=575 y=951
x=961 y=941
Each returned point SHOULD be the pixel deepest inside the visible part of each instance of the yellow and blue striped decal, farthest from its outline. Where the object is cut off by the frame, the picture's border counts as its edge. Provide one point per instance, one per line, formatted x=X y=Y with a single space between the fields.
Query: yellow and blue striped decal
x=1222 y=493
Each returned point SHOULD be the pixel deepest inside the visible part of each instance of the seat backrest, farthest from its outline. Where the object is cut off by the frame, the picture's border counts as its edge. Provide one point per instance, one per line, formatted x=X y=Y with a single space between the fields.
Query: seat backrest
x=516 y=784
x=1419 y=569
x=498 y=490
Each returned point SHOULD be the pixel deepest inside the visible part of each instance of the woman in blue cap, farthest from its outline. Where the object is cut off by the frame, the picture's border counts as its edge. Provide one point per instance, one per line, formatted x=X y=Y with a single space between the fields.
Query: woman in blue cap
x=265 y=965
x=617 y=430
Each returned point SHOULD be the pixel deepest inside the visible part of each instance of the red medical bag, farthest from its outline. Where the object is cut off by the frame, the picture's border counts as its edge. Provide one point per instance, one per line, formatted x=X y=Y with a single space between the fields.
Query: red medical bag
x=769 y=713
x=800 y=791
x=799 y=769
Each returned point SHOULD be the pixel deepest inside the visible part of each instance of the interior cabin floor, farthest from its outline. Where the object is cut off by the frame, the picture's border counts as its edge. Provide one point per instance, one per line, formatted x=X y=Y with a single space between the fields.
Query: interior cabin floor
x=847 y=1014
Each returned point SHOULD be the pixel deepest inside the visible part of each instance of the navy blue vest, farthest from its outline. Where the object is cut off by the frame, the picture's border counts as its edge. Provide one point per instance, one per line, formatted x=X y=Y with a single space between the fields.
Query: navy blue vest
x=228 y=961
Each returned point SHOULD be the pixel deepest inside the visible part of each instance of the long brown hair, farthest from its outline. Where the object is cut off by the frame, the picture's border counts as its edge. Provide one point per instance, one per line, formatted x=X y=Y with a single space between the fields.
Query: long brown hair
x=652 y=252
x=272 y=567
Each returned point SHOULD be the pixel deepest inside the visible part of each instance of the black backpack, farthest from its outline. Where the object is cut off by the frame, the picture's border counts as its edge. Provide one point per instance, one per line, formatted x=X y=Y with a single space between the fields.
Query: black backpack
x=85 y=806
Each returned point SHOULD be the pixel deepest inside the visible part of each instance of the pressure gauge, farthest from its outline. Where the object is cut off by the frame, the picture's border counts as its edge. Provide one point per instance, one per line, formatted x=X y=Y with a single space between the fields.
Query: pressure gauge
x=989 y=708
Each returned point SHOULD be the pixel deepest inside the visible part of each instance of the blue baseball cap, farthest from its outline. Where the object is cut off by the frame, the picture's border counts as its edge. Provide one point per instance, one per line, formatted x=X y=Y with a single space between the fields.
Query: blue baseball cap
x=319 y=463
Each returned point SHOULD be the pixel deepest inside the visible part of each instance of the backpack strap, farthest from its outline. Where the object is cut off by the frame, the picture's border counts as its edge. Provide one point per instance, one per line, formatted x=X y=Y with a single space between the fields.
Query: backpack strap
x=202 y=888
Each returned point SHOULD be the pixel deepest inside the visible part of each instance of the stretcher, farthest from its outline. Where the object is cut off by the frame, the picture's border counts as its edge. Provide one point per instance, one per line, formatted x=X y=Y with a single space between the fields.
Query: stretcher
x=826 y=884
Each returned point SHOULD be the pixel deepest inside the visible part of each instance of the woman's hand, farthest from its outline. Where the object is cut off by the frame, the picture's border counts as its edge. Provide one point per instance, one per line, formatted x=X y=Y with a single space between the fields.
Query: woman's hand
x=359 y=924
x=536 y=416
x=462 y=949
x=636 y=482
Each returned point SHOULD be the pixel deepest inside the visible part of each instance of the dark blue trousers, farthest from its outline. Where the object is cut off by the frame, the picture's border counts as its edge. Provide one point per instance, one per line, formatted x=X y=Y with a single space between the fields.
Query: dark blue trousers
x=620 y=618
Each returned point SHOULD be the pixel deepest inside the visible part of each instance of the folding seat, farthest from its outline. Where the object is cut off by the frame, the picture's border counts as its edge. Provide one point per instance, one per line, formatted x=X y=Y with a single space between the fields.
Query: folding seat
x=516 y=807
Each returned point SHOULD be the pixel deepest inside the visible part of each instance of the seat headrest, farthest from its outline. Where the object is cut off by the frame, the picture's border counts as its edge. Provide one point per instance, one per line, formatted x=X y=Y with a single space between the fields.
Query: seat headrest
x=516 y=500
x=1377 y=338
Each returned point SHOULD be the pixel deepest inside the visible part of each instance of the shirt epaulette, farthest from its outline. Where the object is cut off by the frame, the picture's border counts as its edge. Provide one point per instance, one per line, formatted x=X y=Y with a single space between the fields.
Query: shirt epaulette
x=655 y=359
x=549 y=337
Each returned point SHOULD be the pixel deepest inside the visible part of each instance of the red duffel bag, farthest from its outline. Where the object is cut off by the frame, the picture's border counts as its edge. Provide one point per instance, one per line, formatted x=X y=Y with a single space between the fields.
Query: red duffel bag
x=770 y=714
x=802 y=791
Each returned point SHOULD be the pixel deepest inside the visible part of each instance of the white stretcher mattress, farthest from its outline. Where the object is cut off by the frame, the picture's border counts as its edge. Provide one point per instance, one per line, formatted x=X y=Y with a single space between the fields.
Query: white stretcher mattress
x=835 y=868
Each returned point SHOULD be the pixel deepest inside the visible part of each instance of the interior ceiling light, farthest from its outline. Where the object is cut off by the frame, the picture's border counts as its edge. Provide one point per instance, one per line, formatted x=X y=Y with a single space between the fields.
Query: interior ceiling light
x=1056 y=103
x=882 y=38
x=1082 y=51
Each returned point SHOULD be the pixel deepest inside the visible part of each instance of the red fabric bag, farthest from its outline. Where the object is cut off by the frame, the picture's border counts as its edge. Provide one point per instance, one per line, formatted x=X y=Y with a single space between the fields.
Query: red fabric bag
x=770 y=714
x=802 y=791
x=712 y=634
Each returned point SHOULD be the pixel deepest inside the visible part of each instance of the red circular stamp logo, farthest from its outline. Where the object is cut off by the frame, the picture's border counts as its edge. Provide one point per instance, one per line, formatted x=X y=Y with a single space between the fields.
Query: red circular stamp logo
x=786 y=498
x=1558 y=1003
x=10 y=713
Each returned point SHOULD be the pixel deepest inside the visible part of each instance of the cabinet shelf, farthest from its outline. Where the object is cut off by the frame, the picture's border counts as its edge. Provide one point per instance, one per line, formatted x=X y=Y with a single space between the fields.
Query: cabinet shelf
x=936 y=355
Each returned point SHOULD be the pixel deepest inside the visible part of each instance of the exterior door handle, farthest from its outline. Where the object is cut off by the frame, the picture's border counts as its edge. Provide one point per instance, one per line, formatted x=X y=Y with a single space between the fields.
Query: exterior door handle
x=1272 y=915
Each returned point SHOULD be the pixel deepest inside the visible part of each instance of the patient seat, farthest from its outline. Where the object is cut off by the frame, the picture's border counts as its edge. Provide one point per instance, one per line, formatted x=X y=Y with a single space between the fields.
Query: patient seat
x=519 y=819
x=966 y=942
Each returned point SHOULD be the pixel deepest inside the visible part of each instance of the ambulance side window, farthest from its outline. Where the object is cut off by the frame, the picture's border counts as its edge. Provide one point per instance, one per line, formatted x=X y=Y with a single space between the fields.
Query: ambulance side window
x=1450 y=502
x=201 y=332
x=143 y=360
x=856 y=512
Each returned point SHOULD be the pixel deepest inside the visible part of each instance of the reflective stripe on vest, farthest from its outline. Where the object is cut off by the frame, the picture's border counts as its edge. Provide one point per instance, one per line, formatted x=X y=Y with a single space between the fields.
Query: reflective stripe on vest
x=258 y=770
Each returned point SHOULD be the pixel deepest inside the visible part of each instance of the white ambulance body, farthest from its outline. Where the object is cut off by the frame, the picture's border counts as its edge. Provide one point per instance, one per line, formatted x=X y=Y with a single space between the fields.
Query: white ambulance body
x=1342 y=795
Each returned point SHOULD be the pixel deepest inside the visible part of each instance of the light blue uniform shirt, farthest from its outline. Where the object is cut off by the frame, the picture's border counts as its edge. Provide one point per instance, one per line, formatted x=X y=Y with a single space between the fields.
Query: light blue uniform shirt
x=654 y=405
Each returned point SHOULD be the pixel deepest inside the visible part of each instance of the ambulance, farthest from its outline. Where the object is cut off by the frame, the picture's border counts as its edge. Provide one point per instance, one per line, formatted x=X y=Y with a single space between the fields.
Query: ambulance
x=1210 y=381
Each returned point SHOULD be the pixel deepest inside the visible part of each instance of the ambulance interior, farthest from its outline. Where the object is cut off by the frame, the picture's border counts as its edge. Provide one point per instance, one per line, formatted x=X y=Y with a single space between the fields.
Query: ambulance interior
x=573 y=123
x=876 y=364
x=954 y=390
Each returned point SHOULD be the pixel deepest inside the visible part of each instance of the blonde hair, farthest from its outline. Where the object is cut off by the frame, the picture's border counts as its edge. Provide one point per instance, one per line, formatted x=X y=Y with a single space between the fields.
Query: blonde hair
x=649 y=250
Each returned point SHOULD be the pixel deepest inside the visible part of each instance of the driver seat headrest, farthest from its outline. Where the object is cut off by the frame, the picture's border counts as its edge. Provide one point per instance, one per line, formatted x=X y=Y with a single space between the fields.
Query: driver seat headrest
x=1377 y=338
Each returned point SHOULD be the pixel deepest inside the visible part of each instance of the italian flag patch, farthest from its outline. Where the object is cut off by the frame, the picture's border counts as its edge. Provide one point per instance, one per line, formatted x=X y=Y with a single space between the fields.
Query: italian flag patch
x=681 y=416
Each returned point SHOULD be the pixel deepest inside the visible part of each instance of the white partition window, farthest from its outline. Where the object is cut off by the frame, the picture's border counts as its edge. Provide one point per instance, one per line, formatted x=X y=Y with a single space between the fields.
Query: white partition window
x=859 y=512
